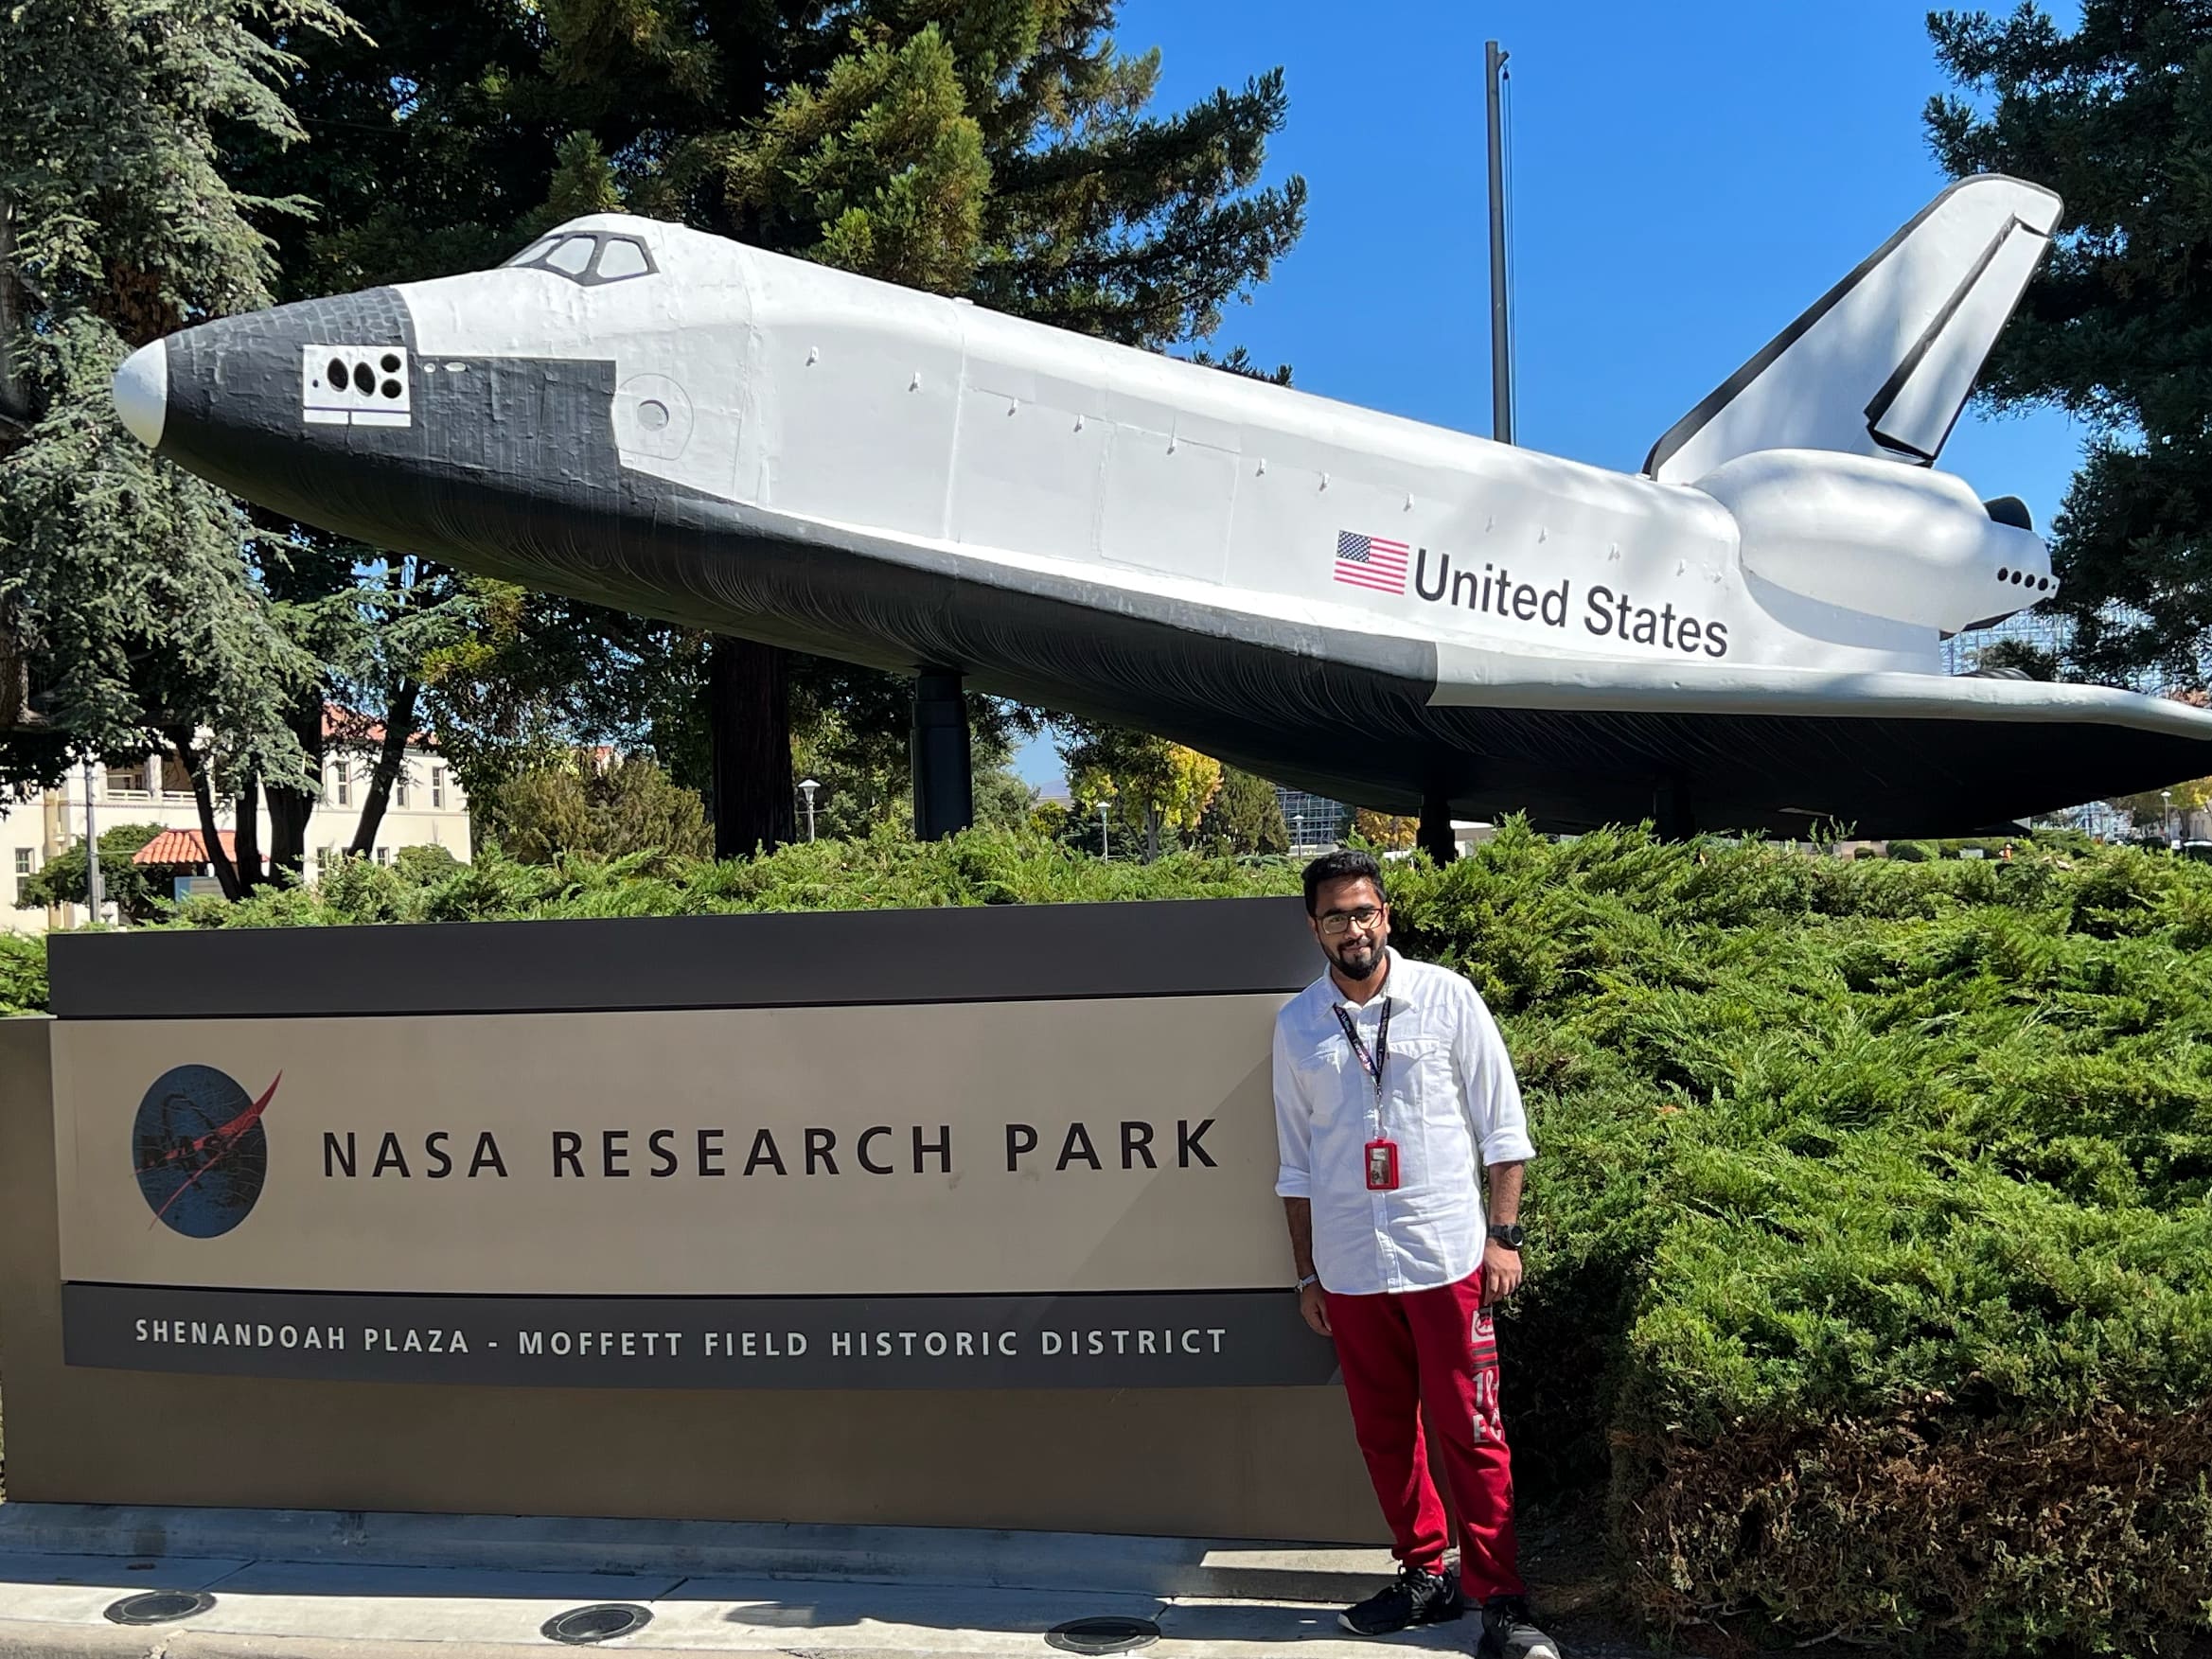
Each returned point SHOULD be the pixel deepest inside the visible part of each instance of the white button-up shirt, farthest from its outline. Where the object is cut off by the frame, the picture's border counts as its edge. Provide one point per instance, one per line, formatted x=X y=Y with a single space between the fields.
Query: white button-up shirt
x=1448 y=1090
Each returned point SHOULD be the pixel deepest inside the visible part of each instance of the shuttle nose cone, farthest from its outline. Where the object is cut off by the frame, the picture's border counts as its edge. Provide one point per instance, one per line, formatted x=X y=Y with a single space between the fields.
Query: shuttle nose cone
x=142 y=393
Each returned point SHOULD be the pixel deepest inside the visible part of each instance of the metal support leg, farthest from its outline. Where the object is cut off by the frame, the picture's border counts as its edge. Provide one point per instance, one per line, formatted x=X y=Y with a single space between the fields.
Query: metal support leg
x=1671 y=817
x=1436 y=838
x=945 y=800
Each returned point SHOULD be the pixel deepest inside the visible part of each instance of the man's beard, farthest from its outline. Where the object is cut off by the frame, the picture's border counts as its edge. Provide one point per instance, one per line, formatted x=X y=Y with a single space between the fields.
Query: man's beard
x=1359 y=959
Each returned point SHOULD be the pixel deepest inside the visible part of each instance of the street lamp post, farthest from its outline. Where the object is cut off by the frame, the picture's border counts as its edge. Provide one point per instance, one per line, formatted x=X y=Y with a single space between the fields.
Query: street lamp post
x=2166 y=796
x=807 y=788
x=1297 y=833
x=1105 y=847
x=91 y=850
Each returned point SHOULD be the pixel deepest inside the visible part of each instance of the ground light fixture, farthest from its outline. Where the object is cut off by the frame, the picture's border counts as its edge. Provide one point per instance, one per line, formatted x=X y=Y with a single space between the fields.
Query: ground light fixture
x=582 y=1627
x=1111 y=1633
x=159 y=1607
x=807 y=788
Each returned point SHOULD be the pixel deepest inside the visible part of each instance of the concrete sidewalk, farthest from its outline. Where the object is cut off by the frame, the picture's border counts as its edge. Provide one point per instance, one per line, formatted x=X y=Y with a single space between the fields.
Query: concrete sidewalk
x=332 y=1585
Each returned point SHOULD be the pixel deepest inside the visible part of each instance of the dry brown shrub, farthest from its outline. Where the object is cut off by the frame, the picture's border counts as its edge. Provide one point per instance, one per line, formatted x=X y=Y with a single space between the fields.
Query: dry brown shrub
x=1933 y=1528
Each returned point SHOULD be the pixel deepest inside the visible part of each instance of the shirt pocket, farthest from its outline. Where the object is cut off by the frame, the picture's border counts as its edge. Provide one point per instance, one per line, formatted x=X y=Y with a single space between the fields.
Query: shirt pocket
x=1426 y=1118
x=1321 y=1077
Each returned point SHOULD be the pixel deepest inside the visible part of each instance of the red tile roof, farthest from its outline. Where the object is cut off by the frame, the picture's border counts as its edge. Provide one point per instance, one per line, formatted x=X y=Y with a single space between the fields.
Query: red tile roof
x=176 y=846
x=343 y=726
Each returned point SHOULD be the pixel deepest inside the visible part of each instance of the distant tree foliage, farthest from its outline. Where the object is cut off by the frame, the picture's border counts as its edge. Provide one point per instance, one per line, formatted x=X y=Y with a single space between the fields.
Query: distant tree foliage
x=130 y=616
x=2017 y=657
x=1163 y=787
x=2116 y=328
x=1384 y=829
x=2153 y=809
x=581 y=806
x=135 y=891
x=1245 y=816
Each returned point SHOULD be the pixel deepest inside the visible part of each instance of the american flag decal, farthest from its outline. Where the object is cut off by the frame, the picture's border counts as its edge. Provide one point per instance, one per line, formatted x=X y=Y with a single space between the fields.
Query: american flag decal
x=1369 y=561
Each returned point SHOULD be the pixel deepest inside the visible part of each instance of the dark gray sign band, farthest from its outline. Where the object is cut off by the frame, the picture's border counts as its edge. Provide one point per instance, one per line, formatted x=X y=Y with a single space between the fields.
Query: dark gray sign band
x=783 y=959
x=1187 y=1339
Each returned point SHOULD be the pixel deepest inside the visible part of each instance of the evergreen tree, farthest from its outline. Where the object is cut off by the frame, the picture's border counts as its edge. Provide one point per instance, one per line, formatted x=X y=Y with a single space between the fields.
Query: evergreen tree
x=2116 y=328
x=1245 y=816
x=609 y=809
x=129 y=613
x=429 y=153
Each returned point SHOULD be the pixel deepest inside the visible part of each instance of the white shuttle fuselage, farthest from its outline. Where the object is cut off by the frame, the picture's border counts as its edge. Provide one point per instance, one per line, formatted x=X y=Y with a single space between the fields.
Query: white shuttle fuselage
x=826 y=399
x=643 y=413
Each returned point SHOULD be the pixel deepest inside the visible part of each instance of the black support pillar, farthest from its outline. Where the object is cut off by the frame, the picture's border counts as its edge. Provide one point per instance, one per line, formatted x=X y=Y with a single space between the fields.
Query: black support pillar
x=1673 y=819
x=945 y=797
x=1436 y=838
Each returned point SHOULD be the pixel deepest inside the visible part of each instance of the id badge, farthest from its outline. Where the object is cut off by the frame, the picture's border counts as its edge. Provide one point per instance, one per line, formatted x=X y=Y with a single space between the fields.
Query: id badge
x=1382 y=1166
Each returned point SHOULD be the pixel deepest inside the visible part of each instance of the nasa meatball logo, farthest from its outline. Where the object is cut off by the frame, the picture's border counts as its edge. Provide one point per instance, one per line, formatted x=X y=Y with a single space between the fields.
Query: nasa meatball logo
x=199 y=1150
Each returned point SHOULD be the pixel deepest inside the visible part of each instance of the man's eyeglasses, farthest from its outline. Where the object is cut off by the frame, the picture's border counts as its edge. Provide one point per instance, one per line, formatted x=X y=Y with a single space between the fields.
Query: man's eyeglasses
x=1336 y=923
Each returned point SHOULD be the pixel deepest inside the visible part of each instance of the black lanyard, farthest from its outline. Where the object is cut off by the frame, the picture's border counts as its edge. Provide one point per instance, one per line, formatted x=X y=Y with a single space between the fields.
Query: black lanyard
x=1371 y=1064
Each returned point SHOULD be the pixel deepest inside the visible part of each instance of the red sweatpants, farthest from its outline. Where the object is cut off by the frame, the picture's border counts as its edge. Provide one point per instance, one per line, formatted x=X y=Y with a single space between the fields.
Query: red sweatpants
x=1433 y=1348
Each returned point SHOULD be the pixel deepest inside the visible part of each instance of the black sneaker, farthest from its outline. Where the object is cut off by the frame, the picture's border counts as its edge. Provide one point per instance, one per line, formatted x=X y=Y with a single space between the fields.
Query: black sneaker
x=1412 y=1597
x=1507 y=1632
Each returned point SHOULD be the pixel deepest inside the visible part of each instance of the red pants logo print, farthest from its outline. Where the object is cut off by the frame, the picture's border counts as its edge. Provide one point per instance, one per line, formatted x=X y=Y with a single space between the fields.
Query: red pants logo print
x=1482 y=1340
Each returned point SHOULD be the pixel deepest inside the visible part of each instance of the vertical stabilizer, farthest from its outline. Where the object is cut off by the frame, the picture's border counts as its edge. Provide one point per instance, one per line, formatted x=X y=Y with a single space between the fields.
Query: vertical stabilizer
x=1882 y=363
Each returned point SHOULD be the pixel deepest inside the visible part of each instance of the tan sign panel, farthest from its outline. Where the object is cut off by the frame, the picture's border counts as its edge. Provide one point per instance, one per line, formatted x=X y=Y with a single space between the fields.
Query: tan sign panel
x=963 y=1149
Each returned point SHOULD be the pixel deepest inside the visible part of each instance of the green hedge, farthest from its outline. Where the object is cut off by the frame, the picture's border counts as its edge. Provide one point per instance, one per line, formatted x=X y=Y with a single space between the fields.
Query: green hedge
x=1873 y=1201
x=1872 y=1272
x=22 y=975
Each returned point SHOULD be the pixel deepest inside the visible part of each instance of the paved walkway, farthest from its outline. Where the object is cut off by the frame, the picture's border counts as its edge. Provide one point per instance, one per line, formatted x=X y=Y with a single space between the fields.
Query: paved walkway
x=309 y=1585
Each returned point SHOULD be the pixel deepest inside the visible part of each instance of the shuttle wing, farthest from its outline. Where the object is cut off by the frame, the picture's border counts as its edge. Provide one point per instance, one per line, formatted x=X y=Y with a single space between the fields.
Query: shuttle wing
x=1882 y=364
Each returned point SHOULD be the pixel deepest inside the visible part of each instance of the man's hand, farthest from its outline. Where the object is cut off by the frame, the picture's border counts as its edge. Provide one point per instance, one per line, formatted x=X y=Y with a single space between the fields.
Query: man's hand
x=1313 y=1302
x=1501 y=1272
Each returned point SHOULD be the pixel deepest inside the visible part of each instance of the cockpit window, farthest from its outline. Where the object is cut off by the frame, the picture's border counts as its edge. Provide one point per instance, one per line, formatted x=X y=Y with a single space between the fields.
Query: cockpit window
x=588 y=257
x=571 y=254
x=619 y=256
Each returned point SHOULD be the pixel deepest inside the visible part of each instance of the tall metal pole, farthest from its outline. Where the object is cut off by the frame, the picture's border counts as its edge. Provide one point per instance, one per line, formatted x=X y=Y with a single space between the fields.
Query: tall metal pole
x=1501 y=350
x=91 y=849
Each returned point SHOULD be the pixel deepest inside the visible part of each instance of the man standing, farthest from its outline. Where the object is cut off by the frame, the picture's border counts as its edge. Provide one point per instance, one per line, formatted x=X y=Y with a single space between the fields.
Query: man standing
x=1391 y=1080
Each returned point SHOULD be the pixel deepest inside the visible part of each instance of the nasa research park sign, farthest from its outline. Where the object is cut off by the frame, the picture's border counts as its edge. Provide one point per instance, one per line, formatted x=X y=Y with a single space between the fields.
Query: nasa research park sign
x=1006 y=1148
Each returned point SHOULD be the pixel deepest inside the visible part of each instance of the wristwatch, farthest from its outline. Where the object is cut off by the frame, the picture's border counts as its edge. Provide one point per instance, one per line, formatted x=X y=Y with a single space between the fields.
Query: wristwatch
x=1309 y=1278
x=1509 y=1234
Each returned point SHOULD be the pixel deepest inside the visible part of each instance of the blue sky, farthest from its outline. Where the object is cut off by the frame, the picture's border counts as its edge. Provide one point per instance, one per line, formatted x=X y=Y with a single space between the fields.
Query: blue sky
x=1687 y=179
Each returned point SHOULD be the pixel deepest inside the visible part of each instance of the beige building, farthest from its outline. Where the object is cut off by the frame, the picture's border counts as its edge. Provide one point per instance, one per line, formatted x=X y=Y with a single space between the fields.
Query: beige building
x=426 y=808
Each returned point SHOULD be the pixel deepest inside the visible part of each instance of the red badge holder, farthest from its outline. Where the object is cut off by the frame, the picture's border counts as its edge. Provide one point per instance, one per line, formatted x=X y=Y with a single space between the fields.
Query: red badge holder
x=1382 y=1166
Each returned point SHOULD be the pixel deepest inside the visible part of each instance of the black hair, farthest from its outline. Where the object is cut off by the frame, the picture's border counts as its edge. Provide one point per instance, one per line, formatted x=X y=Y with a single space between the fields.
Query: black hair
x=1346 y=866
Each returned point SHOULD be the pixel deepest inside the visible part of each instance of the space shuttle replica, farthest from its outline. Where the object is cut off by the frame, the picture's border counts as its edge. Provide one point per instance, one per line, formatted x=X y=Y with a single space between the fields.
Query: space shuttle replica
x=1745 y=635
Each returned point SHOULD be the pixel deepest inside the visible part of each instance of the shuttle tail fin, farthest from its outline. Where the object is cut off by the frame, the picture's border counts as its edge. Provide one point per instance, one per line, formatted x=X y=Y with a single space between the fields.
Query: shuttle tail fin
x=1882 y=364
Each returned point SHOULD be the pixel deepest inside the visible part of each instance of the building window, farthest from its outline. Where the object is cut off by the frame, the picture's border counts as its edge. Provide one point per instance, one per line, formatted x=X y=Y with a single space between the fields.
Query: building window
x=384 y=854
x=399 y=787
x=437 y=788
x=24 y=869
x=341 y=775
